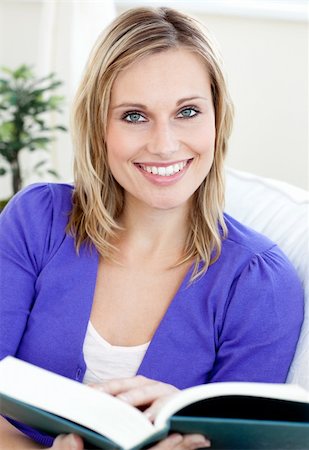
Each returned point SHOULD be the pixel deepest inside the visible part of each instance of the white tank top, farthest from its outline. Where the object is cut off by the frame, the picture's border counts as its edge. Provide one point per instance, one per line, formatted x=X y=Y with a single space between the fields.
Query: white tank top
x=105 y=361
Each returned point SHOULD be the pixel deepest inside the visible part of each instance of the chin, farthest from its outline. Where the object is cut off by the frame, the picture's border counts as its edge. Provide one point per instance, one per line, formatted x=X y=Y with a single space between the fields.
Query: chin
x=168 y=204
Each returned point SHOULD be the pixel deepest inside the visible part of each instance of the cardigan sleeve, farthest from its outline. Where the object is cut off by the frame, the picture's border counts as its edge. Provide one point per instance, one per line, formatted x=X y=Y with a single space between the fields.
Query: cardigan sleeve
x=25 y=226
x=262 y=321
x=32 y=227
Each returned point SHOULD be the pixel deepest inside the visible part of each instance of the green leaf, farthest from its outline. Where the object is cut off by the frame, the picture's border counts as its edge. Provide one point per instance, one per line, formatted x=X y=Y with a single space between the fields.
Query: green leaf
x=53 y=172
x=50 y=87
x=6 y=131
x=54 y=101
x=39 y=142
x=42 y=79
x=7 y=70
x=23 y=72
x=40 y=164
x=41 y=123
x=61 y=128
x=4 y=85
x=2 y=171
x=12 y=98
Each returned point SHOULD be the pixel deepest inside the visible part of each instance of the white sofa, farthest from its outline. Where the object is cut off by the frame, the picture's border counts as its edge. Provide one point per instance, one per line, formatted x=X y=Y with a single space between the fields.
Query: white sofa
x=281 y=212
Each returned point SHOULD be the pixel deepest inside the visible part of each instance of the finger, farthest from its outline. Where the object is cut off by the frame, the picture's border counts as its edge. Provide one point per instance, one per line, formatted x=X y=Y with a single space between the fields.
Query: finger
x=68 y=442
x=117 y=386
x=156 y=406
x=171 y=442
x=138 y=391
x=147 y=393
x=178 y=442
x=194 y=441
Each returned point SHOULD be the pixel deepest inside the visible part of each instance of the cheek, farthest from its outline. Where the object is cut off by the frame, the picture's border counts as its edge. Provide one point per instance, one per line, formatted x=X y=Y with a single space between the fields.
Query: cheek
x=202 y=133
x=120 y=145
x=116 y=149
x=113 y=145
x=205 y=142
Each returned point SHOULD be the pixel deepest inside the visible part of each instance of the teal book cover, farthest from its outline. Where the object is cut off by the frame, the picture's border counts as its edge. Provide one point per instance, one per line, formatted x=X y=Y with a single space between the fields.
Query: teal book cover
x=244 y=422
x=241 y=434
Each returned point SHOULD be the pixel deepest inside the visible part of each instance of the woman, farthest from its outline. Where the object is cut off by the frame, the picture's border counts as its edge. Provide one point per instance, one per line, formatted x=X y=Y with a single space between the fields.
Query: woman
x=136 y=270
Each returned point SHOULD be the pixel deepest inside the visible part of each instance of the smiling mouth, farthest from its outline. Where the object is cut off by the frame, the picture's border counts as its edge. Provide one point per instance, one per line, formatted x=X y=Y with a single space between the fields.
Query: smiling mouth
x=164 y=171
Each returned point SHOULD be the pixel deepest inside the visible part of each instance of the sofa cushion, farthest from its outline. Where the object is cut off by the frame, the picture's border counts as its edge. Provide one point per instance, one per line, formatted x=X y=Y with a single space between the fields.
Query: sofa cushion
x=281 y=212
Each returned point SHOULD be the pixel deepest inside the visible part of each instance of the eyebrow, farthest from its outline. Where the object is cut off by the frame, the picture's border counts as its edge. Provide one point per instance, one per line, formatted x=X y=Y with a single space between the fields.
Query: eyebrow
x=141 y=106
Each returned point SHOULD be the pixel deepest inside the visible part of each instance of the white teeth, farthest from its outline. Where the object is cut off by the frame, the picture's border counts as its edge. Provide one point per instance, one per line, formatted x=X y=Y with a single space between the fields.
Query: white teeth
x=169 y=170
x=165 y=171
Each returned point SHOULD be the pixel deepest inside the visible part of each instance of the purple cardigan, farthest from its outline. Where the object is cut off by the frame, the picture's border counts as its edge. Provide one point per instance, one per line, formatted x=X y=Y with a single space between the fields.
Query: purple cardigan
x=240 y=321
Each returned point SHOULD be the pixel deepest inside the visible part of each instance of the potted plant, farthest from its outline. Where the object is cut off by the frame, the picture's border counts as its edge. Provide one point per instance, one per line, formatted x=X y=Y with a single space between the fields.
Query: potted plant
x=24 y=103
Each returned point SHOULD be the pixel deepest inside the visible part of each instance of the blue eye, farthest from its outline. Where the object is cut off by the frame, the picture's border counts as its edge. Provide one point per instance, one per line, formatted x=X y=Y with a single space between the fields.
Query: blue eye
x=133 y=117
x=187 y=113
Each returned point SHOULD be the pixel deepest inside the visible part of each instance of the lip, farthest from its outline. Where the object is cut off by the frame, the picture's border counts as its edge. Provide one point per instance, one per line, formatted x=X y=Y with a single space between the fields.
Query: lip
x=163 y=180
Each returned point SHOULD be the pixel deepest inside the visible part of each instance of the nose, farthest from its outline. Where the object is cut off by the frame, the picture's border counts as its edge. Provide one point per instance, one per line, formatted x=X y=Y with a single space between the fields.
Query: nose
x=163 y=141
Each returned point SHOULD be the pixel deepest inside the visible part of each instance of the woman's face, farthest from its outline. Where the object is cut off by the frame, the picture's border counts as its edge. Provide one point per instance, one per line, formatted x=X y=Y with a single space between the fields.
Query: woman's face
x=161 y=129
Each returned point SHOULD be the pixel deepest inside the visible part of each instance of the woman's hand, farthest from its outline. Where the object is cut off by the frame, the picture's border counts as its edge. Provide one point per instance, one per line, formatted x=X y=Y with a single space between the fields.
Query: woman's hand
x=143 y=392
x=140 y=392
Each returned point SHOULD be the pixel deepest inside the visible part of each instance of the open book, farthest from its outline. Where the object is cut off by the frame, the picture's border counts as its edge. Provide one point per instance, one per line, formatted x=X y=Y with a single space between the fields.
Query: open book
x=233 y=415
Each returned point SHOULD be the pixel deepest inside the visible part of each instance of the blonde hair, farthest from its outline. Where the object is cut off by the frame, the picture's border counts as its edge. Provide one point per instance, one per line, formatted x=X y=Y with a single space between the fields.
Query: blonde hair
x=98 y=198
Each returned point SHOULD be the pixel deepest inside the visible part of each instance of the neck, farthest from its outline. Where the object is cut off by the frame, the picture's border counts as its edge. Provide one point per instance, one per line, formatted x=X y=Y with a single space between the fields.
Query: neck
x=148 y=231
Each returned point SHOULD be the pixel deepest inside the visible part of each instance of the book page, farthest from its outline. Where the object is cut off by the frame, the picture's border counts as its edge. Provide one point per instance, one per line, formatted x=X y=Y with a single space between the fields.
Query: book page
x=189 y=396
x=95 y=410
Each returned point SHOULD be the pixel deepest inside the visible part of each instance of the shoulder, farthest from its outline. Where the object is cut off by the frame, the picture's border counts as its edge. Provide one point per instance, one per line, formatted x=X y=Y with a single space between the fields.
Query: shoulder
x=244 y=238
x=35 y=220
x=39 y=203
x=243 y=245
x=245 y=251
x=39 y=194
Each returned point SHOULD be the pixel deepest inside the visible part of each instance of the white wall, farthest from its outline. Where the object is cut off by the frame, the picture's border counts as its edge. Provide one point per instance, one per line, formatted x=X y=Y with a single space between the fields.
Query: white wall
x=266 y=61
x=267 y=65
